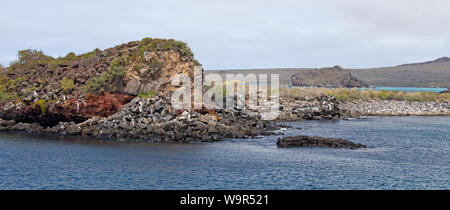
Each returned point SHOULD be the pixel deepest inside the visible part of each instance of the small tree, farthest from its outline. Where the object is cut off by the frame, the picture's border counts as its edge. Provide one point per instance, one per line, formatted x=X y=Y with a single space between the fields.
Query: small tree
x=30 y=56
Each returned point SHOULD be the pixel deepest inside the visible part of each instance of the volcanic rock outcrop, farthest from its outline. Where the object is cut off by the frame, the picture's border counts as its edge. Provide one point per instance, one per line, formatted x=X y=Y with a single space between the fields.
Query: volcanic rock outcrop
x=124 y=93
x=41 y=89
x=121 y=93
x=327 y=77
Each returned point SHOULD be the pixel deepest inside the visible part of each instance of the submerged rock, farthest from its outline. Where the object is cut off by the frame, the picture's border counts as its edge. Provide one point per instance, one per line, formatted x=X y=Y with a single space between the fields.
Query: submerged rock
x=315 y=141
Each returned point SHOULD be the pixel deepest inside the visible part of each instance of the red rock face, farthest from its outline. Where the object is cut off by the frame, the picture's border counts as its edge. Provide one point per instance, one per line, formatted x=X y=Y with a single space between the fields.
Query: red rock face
x=103 y=105
x=76 y=110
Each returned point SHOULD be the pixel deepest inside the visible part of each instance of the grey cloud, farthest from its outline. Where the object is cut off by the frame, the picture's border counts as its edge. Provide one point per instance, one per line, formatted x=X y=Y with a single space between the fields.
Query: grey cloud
x=237 y=33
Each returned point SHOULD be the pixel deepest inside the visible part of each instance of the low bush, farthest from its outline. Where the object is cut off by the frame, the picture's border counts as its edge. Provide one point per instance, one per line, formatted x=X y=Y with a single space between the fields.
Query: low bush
x=6 y=96
x=117 y=68
x=97 y=84
x=67 y=84
x=90 y=54
x=62 y=60
x=43 y=105
x=146 y=95
x=29 y=58
x=149 y=44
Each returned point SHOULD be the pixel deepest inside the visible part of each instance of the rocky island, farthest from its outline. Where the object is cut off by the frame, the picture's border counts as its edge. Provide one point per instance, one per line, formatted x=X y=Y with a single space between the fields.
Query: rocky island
x=123 y=94
x=327 y=77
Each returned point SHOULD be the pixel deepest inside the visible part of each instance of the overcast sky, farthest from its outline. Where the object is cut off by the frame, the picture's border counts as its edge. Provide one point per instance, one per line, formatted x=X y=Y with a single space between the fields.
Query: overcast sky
x=232 y=34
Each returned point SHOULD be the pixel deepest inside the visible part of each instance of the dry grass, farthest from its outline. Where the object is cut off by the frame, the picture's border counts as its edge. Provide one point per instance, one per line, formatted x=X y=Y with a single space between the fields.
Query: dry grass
x=355 y=94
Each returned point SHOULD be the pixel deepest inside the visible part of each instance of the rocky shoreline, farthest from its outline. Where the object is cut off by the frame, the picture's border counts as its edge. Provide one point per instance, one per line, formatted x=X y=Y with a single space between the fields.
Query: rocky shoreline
x=395 y=108
x=154 y=119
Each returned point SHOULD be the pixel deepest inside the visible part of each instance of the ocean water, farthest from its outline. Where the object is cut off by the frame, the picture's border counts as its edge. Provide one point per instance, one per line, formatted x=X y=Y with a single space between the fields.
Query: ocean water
x=403 y=153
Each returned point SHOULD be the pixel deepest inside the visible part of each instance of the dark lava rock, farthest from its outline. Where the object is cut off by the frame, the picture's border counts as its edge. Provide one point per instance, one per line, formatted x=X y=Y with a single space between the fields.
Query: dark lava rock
x=315 y=141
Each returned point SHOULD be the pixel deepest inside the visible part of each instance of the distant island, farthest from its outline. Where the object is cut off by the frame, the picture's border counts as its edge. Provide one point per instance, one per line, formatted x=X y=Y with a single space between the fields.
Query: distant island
x=434 y=73
x=327 y=77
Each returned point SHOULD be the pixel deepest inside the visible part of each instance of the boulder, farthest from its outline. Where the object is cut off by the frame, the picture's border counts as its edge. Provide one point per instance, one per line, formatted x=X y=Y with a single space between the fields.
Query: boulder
x=315 y=141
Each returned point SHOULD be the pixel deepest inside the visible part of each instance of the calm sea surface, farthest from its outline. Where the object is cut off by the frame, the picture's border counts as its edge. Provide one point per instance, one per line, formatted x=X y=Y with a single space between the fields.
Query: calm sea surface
x=404 y=153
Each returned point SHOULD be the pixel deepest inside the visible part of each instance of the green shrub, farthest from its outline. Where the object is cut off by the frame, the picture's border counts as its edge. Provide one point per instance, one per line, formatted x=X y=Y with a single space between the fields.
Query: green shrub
x=97 y=84
x=10 y=84
x=43 y=105
x=6 y=96
x=149 y=44
x=71 y=56
x=186 y=51
x=62 y=60
x=146 y=95
x=117 y=67
x=8 y=88
x=29 y=58
x=67 y=84
x=54 y=63
x=90 y=54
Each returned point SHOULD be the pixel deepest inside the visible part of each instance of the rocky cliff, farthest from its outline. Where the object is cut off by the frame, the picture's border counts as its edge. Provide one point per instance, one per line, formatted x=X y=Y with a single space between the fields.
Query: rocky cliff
x=326 y=77
x=46 y=90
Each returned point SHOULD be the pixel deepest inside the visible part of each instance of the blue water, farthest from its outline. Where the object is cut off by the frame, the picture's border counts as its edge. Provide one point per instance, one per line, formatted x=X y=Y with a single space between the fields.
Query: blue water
x=407 y=89
x=404 y=153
